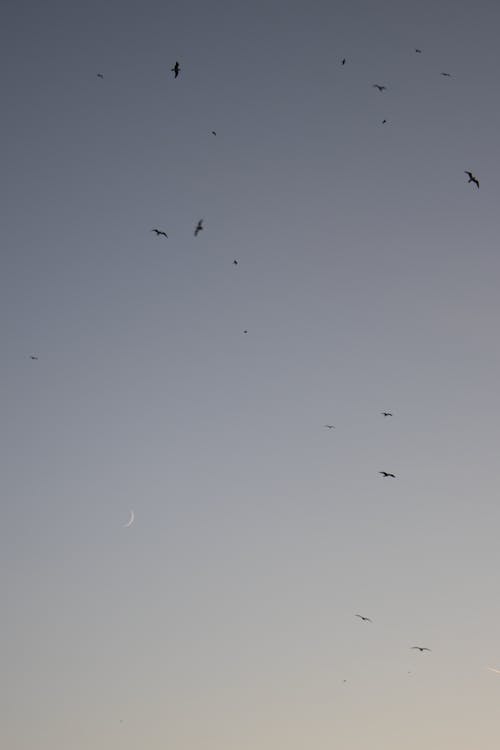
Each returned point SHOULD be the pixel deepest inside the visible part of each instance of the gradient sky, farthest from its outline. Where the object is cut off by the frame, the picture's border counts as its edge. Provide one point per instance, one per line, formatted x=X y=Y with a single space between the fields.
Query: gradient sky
x=367 y=280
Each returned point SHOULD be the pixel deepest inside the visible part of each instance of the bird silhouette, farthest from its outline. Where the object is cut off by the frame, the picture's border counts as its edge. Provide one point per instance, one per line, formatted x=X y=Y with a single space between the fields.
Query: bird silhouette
x=235 y=262
x=330 y=426
x=100 y=75
x=160 y=232
x=421 y=648
x=387 y=474
x=472 y=178
x=383 y=122
x=198 y=228
x=343 y=61
x=176 y=69
x=362 y=617
x=213 y=132
x=386 y=413
x=379 y=87
x=447 y=75
x=419 y=51
x=245 y=331
x=32 y=356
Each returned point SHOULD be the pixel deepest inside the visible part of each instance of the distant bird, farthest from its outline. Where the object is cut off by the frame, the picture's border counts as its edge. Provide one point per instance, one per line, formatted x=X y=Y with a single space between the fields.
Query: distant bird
x=32 y=356
x=343 y=61
x=421 y=648
x=100 y=75
x=383 y=122
x=365 y=619
x=329 y=426
x=419 y=51
x=176 y=69
x=213 y=132
x=379 y=87
x=472 y=178
x=235 y=262
x=386 y=413
x=160 y=232
x=448 y=75
x=198 y=228
x=245 y=331
x=387 y=474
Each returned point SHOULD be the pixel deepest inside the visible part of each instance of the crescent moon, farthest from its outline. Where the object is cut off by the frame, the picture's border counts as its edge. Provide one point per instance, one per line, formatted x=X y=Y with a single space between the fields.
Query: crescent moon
x=130 y=520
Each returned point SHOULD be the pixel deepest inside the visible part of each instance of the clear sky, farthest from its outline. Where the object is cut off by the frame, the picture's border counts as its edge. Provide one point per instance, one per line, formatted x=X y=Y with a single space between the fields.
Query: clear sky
x=367 y=279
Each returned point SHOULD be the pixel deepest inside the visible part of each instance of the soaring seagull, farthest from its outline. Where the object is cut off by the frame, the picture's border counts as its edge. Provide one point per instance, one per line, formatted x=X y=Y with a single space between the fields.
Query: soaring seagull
x=379 y=87
x=386 y=413
x=198 y=228
x=421 y=648
x=387 y=474
x=472 y=178
x=329 y=426
x=362 y=617
x=160 y=232
x=175 y=70
x=447 y=75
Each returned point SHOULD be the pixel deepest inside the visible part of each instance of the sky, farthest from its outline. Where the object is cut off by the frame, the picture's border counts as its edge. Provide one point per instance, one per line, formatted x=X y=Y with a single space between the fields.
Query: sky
x=367 y=281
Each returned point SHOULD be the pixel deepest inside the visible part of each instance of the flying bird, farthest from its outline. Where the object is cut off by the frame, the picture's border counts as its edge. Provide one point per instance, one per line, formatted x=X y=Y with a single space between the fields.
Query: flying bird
x=32 y=356
x=100 y=75
x=421 y=648
x=362 y=617
x=198 y=228
x=130 y=520
x=343 y=61
x=472 y=178
x=419 y=51
x=176 y=69
x=387 y=474
x=235 y=262
x=213 y=132
x=448 y=75
x=379 y=87
x=330 y=426
x=383 y=122
x=160 y=233
x=386 y=413
x=245 y=331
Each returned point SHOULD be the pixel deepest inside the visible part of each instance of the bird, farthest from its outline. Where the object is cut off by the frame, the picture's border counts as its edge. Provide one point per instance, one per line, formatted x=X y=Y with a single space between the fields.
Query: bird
x=386 y=413
x=160 y=232
x=329 y=426
x=448 y=75
x=362 y=617
x=421 y=648
x=198 y=228
x=213 y=132
x=245 y=331
x=379 y=87
x=32 y=356
x=387 y=474
x=175 y=70
x=383 y=122
x=472 y=178
x=418 y=50
x=343 y=61
x=235 y=262
x=100 y=75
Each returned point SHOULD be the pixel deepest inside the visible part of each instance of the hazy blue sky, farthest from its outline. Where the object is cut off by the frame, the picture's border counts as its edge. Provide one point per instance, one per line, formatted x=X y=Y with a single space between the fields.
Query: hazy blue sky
x=368 y=278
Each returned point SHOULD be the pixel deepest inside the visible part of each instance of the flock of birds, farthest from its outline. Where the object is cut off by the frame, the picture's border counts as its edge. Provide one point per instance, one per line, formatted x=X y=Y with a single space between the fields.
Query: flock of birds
x=199 y=227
